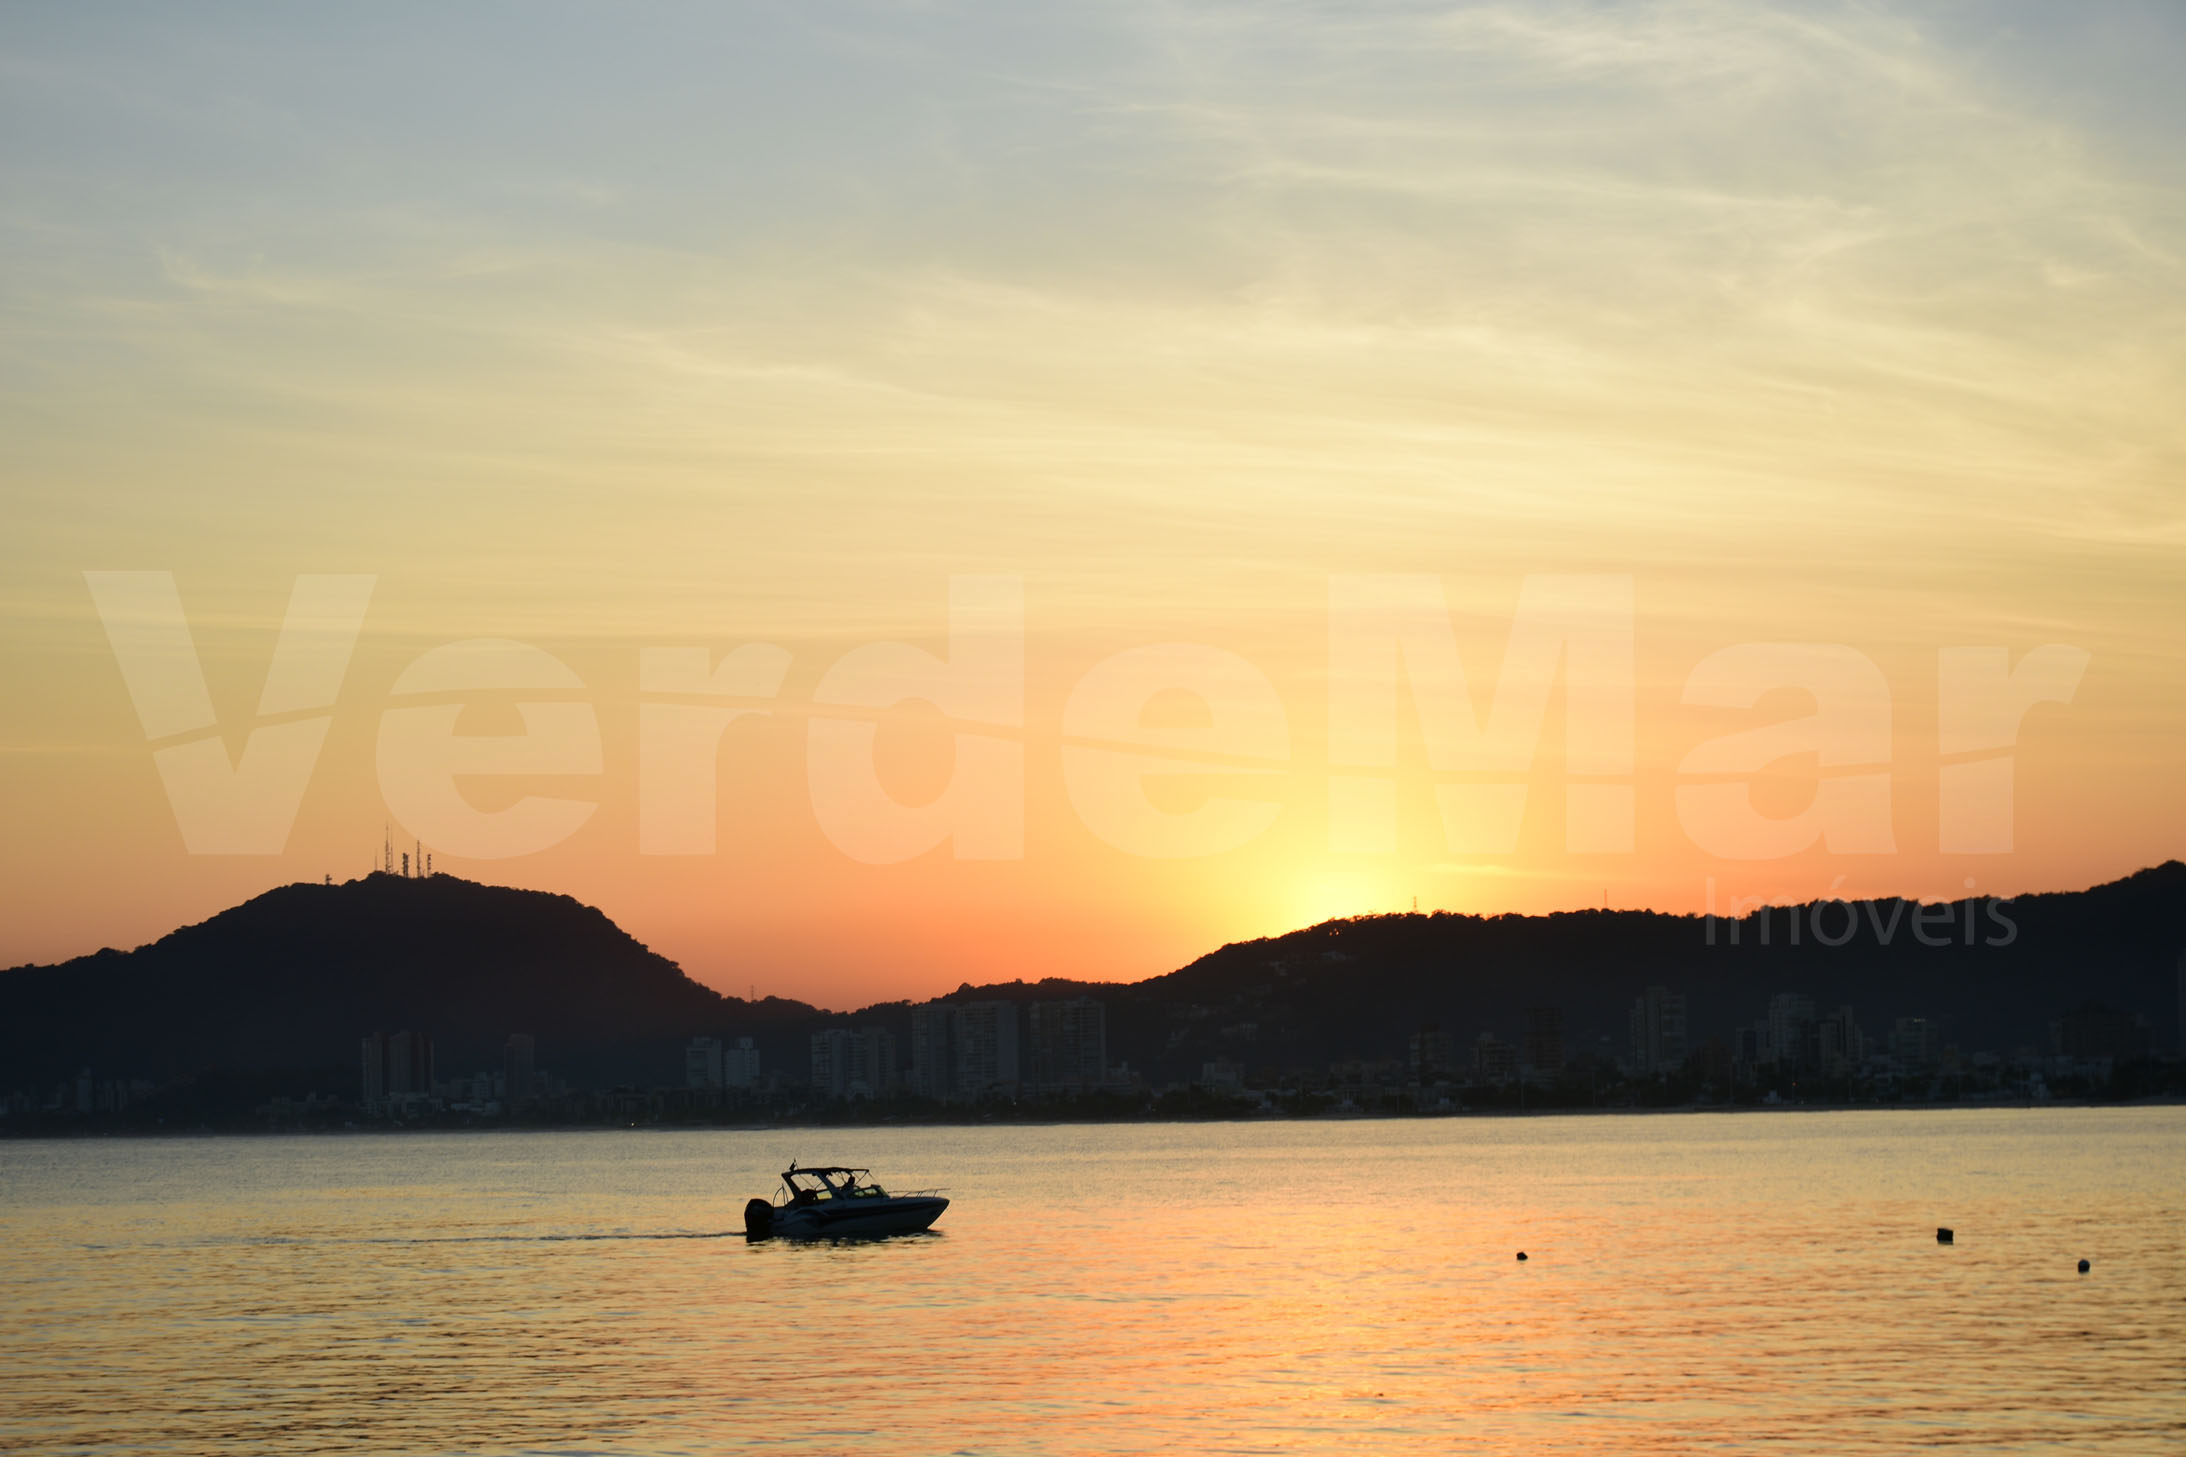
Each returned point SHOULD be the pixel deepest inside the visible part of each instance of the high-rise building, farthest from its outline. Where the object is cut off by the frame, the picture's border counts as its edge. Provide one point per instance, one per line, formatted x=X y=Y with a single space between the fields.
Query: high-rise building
x=702 y=1064
x=1791 y=1031
x=2092 y=1030
x=932 y=1071
x=519 y=1074
x=1428 y=1052
x=873 y=1055
x=740 y=1064
x=374 y=1056
x=1222 y=1074
x=409 y=1064
x=2182 y=1004
x=401 y=1048
x=1915 y=1044
x=1658 y=1031
x=853 y=1063
x=395 y=1065
x=984 y=1038
x=1069 y=1044
x=831 y=1062
x=1494 y=1060
x=1839 y=1047
x=1544 y=1048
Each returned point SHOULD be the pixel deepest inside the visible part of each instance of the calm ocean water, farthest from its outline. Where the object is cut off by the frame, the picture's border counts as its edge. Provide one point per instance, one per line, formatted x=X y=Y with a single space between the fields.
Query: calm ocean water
x=1747 y=1282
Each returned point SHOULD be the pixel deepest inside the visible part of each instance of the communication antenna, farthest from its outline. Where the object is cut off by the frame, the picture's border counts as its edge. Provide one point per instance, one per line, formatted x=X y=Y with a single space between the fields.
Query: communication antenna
x=387 y=849
x=420 y=861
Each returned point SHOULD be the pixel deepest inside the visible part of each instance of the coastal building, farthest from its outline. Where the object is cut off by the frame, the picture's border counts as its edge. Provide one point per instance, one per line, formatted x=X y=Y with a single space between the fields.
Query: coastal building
x=831 y=1062
x=702 y=1070
x=409 y=1065
x=1751 y=1050
x=2095 y=1031
x=1222 y=1075
x=1494 y=1060
x=1791 y=1032
x=853 y=1062
x=1544 y=1045
x=1915 y=1044
x=1069 y=1044
x=932 y=1069
x=1713 y=1062
x=374 y=1057
x=394 y=1066
x=740 y=1064
x=1658 y=1032
x=1428 y=1054
x=873 y=1055
x=1839 y=1048
x=519 y=1070
x=984 y=1038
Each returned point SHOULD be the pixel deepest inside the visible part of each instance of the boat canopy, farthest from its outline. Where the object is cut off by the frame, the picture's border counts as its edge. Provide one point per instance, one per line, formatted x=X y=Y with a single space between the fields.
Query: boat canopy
x=830 y=1181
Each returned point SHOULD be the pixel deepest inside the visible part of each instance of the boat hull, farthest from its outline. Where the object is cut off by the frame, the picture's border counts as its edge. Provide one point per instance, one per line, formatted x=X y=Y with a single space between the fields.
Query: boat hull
x=858 y=1218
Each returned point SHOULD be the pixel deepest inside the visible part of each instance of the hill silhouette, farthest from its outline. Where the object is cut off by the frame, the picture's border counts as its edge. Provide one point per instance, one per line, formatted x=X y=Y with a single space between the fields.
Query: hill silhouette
x=291 y=979
x=288 y=981
x=1357 y=988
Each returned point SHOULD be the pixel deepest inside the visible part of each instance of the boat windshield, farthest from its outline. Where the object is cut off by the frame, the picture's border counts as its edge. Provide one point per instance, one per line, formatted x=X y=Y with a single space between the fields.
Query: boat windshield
x=812 y=1186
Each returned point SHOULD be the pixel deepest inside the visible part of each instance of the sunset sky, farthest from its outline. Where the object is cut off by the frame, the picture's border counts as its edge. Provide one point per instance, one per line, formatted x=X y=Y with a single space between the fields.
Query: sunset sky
x=602 y=329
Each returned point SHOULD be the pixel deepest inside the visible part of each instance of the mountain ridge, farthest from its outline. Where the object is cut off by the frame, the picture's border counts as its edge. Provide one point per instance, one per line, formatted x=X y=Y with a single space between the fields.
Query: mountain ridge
x=290 y=978
x=293 y=976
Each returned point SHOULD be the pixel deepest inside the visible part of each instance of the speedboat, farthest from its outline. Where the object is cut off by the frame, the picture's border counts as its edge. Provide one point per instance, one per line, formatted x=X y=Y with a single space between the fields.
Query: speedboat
x=837 y=1203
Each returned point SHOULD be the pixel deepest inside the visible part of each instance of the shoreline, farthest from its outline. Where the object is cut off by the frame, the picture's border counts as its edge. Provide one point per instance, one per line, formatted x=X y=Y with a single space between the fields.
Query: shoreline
x=349 y=1130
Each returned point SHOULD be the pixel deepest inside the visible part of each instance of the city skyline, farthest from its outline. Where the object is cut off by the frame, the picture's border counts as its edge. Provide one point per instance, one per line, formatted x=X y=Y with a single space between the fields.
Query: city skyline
x=1829 y=1004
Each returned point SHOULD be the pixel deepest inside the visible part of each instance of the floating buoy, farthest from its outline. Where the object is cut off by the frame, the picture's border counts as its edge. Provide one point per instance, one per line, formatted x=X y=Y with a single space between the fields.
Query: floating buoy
x=2084 y=1267
x=1521 y=1254
x=1943 y=1236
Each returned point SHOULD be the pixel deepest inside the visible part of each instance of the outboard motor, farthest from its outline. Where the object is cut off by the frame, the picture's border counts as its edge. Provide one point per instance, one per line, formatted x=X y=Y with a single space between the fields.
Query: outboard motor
x=758 y=1219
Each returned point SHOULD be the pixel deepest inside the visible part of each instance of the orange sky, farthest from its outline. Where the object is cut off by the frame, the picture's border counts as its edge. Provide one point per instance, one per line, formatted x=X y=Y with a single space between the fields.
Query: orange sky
x=1831 y=343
